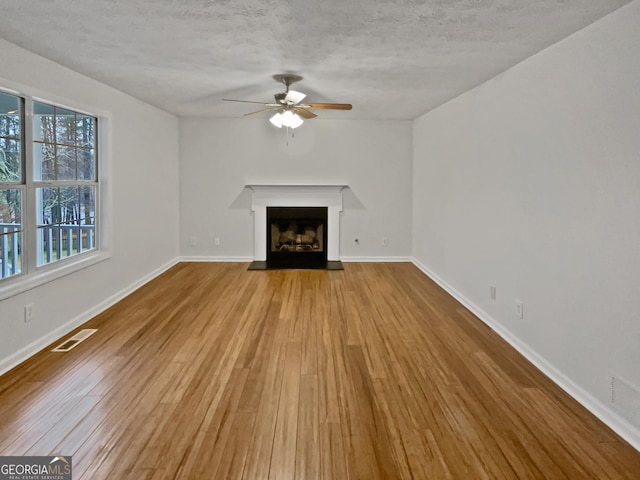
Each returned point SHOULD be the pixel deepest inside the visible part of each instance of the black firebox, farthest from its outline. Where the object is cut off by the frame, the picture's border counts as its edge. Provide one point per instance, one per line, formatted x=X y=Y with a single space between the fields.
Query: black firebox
x=297 y=237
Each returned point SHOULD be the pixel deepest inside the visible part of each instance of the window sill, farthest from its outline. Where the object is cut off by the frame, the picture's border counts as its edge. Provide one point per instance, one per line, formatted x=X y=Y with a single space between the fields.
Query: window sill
x=23 y=283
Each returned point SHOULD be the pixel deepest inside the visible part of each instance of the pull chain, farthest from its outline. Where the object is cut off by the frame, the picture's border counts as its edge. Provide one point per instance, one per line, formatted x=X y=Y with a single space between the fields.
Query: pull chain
x=293 y=134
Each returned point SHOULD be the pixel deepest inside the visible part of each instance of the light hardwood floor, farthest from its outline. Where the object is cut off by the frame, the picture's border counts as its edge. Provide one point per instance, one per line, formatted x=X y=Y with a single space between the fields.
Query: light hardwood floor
x=212 y=371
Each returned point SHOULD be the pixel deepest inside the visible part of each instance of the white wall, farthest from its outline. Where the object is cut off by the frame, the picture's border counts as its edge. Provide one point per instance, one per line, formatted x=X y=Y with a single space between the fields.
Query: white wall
x=218 y=157
x=143 y=181
x=531 y=183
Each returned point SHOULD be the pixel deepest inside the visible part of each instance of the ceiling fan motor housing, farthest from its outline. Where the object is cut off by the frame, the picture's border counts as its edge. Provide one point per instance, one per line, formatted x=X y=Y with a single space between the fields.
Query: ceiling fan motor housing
x=287 y=78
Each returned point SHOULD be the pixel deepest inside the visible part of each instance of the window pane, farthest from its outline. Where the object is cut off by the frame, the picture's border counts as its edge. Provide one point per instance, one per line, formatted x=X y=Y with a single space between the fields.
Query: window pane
x=10 y=160
x=10 y=107
x=43 y=123
x=85 y=130
x=44 y=161
x=49 y=241
x=88 y=217
x=66 y=223
x=69 y=204
x=48 y=206
x=10 y=134
x=65 y=163
x=65 y=127
x=10 y=232
x=86 y=159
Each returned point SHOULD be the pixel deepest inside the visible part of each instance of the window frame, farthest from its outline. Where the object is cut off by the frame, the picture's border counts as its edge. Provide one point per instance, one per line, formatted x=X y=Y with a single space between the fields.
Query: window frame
x=33 y=275
x=64 y=183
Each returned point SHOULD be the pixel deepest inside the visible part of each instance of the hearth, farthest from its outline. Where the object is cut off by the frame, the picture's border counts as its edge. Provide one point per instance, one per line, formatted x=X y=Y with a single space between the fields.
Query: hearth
x=296 y=237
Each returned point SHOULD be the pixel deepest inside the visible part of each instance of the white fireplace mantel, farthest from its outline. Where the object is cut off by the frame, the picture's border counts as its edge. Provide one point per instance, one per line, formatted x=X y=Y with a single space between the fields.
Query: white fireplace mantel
x=264 y=196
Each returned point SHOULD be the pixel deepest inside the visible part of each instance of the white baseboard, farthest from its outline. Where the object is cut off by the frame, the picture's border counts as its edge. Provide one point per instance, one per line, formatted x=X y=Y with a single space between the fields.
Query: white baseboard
x=250 y=259
x=34 y=347
x=376 y=259
x=216 y=259
x=606 y=414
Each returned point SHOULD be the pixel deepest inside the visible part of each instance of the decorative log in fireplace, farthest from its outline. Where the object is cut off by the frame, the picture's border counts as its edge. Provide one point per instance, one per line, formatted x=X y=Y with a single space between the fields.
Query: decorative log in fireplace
x=296 y=237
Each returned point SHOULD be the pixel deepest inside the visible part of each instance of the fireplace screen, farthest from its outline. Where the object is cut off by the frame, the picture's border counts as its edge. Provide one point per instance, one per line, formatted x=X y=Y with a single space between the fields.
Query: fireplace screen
x=301 y=236
x=297 y=237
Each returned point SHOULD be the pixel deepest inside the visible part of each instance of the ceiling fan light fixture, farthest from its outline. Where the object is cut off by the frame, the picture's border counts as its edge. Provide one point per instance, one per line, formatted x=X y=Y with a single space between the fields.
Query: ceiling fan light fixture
x=276 y=120
x=290 y=119
x=294 y=97
x=296 y=121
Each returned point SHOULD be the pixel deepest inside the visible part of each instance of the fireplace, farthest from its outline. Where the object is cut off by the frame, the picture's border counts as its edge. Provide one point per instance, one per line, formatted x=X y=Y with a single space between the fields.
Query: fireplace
x=305 y=199
x=296 y=237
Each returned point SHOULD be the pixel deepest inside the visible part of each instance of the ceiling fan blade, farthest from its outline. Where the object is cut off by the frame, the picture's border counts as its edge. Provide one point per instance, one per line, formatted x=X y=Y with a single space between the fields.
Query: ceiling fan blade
x=304 y=113
x=329 y=106
x=243 y=101
x=262 y=111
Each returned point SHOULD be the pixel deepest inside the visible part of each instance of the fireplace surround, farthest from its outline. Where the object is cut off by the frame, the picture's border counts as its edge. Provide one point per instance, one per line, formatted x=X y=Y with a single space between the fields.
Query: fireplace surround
x=328 y=197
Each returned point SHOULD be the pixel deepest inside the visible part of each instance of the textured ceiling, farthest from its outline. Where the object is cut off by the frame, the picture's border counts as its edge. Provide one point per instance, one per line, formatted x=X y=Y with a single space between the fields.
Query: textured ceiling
x=391 y=59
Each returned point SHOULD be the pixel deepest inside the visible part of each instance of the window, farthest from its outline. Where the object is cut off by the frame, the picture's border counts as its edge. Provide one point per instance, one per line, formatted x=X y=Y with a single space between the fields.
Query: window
x=12 y=184
x=64 y=170
x=48 y=184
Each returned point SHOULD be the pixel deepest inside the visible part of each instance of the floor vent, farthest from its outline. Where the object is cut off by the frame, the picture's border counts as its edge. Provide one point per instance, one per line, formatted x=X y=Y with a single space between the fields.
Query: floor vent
x=74 y=341
x=626 y=398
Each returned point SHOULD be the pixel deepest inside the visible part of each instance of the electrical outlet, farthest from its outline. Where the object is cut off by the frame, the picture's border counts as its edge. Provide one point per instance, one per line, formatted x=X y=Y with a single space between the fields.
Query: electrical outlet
x=492 y=292
x=385 y=242
x=28 y=312
x=216 y=241
x=519 y=309
x=193 y=240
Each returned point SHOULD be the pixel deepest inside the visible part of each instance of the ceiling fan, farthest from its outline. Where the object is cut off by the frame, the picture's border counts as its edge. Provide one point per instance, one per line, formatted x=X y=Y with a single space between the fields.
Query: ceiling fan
x=289 y=109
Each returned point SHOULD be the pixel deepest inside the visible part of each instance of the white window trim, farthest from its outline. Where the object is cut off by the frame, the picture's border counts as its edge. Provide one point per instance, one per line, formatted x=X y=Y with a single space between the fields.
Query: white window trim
x=34 y=276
